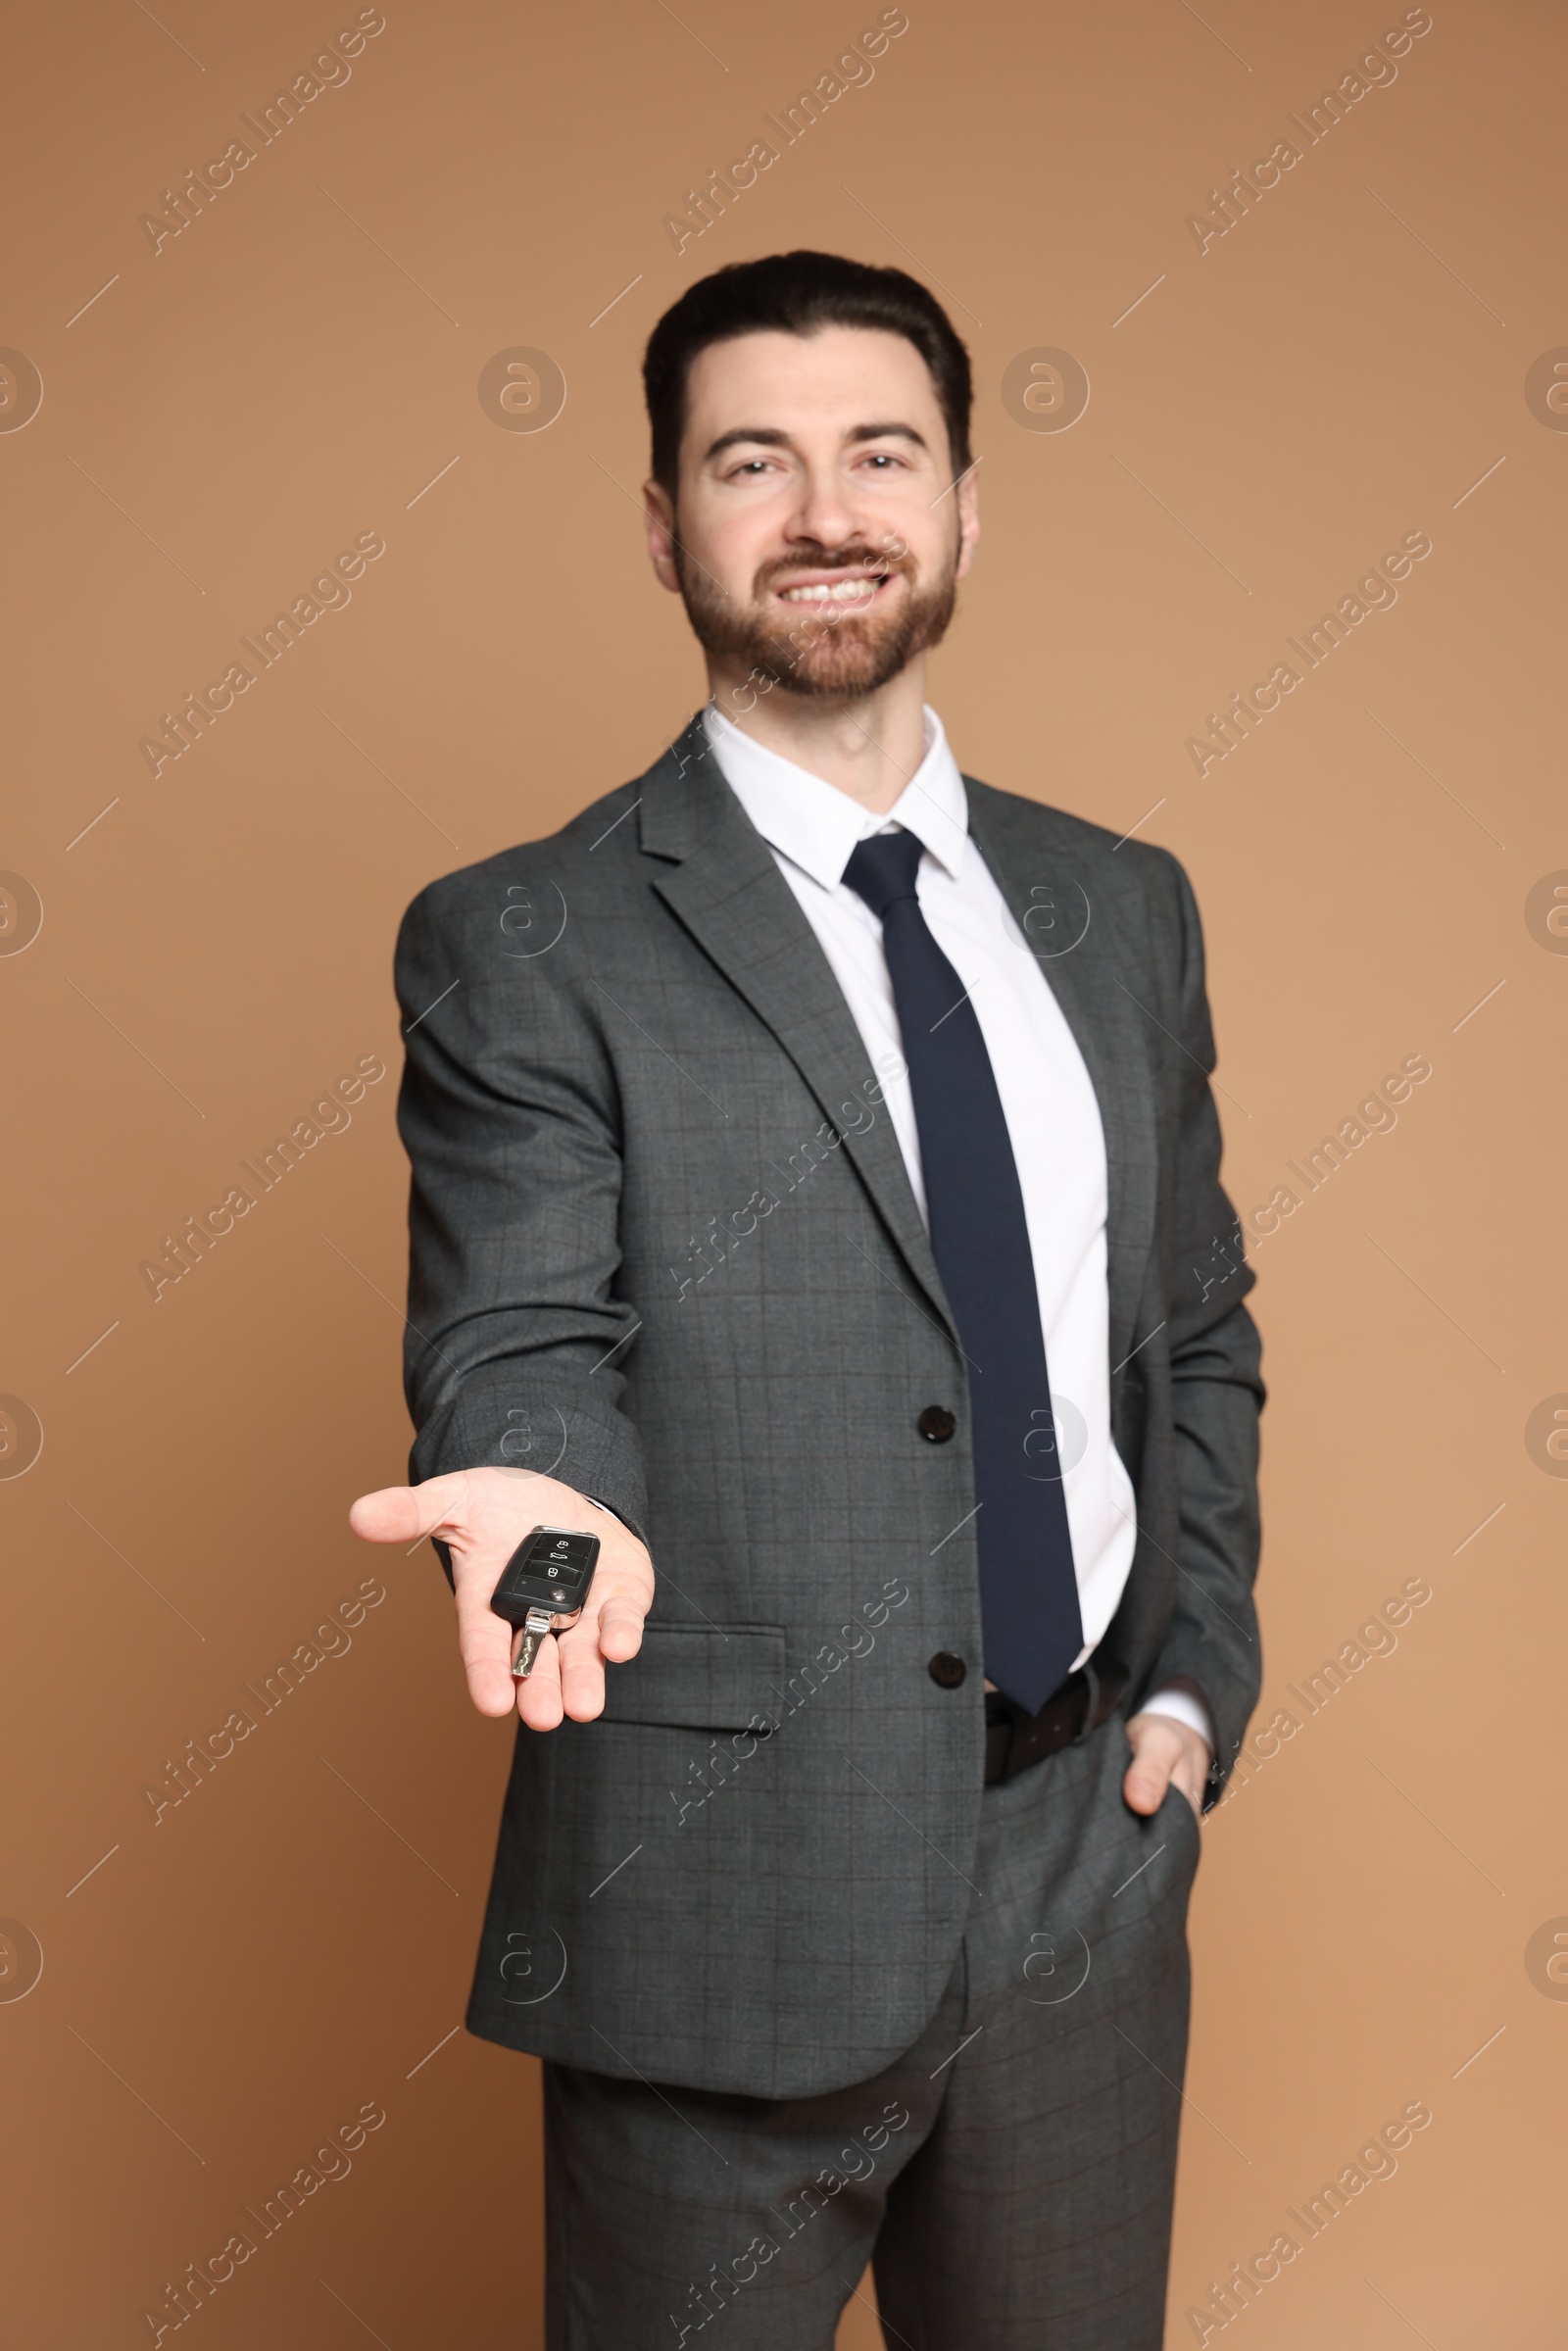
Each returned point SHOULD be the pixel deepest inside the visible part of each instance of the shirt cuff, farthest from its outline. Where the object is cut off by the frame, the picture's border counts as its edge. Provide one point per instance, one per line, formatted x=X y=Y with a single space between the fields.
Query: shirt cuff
x=1182 y=1708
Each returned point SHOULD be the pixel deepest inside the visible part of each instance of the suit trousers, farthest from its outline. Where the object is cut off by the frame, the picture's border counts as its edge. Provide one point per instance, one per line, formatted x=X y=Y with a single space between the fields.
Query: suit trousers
x=1010 y=2176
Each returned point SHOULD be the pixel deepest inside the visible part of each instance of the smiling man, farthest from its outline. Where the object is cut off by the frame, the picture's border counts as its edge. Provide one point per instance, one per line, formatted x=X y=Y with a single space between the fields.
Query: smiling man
x=816 y=1198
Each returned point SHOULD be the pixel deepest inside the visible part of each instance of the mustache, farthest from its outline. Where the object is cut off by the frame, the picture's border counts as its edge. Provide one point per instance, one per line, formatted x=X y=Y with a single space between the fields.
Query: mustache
x=868 y=562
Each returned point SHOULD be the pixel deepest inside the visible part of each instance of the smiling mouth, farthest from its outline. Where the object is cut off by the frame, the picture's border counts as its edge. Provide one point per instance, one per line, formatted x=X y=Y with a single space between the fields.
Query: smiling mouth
x=855 y=593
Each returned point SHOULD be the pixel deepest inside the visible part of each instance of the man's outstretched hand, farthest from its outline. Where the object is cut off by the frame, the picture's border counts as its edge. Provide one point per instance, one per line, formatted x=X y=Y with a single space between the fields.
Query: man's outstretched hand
x=1164 y=1751
x=482 y=1515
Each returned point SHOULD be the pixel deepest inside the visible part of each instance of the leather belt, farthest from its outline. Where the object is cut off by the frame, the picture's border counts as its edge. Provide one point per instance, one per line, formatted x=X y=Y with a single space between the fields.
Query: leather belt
x=1088 y=1697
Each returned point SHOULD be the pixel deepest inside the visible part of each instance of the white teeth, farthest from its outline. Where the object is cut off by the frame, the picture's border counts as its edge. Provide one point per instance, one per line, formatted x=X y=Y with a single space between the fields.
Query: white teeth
x=844 y=591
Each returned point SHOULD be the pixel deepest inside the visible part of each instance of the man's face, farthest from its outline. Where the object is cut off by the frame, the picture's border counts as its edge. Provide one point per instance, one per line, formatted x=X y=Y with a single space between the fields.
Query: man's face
x=818 y=539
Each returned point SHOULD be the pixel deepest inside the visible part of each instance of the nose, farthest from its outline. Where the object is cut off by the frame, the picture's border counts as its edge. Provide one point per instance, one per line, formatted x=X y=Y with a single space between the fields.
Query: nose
x=824 y=512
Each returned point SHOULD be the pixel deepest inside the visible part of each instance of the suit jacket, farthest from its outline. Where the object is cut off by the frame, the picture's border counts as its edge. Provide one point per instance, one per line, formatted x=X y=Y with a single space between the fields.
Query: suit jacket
x=664 y=1248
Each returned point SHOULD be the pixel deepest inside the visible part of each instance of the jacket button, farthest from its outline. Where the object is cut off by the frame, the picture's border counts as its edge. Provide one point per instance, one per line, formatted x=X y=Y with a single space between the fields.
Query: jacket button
x=936 y=1424
x=947 y=1669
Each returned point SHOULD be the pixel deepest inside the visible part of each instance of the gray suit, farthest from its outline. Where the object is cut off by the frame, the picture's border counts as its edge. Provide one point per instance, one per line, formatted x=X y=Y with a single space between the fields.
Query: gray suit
x=664 y=1248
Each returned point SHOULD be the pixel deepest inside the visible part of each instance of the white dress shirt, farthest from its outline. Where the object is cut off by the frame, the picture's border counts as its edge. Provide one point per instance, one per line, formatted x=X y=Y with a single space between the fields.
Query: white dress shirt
x=1047 y=1097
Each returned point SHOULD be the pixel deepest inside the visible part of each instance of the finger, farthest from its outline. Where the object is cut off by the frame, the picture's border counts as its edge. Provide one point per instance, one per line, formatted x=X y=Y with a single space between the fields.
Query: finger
x=538 y=1695
x=582 y=1672
x=486 y=1648
x=1157 y=1747
x=400 y=1513
x=1144 y=1785
x=621 y=1627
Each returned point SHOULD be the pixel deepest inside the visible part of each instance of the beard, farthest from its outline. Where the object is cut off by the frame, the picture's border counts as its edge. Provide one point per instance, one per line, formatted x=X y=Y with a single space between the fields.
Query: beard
x=827 y=654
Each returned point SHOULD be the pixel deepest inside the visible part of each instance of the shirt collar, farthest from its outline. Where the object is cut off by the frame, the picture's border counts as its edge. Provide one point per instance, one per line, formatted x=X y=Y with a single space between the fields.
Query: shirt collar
x=815 y=825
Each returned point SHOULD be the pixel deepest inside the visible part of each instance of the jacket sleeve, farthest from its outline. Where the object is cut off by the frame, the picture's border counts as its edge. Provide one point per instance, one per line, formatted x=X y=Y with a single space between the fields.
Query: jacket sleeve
x=1211 y=1645
x=510 y=1119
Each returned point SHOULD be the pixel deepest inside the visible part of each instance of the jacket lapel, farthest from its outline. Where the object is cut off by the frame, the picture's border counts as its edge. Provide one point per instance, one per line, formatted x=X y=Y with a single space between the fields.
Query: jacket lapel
x=727 y=893
x=1074 y=915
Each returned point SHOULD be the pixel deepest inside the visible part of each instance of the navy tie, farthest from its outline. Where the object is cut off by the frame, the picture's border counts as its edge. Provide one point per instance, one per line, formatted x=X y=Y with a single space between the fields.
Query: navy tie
x=1028 y=1588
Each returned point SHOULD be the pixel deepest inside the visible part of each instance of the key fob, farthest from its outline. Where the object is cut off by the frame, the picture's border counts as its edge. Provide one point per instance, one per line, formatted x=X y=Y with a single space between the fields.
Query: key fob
x=549 y=1570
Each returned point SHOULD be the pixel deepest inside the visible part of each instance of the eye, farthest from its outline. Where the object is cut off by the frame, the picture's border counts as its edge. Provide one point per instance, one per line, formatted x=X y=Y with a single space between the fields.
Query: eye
x=882 y=459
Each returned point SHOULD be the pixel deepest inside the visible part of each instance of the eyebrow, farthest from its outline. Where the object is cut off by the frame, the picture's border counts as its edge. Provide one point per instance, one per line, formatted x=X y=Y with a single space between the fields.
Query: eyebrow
x=773 y=436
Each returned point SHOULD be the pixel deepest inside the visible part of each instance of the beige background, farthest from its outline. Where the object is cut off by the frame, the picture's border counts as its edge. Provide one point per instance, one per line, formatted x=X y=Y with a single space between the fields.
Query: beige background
x=222 y=1990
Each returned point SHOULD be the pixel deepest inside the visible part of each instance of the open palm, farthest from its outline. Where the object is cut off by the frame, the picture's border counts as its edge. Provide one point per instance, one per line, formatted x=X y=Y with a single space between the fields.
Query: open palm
x=482 y=1515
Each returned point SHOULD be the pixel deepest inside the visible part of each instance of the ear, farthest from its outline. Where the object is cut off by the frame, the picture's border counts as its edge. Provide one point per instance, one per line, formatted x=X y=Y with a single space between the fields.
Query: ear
x=967 y=495
x=658 y=514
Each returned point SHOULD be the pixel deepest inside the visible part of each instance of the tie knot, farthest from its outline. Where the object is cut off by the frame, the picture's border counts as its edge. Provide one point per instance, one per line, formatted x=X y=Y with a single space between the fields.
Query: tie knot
x=882 y=869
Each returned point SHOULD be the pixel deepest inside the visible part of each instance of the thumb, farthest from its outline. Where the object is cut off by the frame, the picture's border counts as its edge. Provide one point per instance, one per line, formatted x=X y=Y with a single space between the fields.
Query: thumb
x=1144 y=1787
x=1148 y=1773
x=400 y=1513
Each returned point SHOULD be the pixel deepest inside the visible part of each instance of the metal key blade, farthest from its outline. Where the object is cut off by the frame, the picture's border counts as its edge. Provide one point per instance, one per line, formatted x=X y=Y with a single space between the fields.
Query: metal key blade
x=535 y=1627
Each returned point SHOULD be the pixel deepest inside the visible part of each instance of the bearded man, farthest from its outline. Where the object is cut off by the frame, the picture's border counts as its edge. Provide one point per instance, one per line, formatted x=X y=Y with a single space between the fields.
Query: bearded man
x=817 y=1199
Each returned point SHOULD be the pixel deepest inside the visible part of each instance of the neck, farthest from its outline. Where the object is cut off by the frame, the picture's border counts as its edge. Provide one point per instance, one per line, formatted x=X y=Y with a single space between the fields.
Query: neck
x=867 y=748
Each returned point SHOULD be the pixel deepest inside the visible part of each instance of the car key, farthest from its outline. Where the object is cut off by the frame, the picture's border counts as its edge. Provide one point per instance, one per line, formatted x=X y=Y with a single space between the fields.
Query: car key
x=547 y=1576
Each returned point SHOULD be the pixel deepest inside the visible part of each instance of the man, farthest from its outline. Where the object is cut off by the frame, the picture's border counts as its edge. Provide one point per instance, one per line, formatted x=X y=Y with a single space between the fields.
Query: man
x=815 y=1197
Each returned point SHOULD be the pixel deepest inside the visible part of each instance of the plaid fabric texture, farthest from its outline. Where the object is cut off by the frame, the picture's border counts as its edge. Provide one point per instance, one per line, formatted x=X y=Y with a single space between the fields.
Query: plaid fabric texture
x=664 y=1248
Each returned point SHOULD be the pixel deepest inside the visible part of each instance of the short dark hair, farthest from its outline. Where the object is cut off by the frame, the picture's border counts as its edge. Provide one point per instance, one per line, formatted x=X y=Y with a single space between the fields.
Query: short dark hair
x=796 y=293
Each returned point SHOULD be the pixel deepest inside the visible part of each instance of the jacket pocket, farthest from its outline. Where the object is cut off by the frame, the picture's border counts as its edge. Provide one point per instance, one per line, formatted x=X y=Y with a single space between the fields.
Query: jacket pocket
x=701 y=1678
